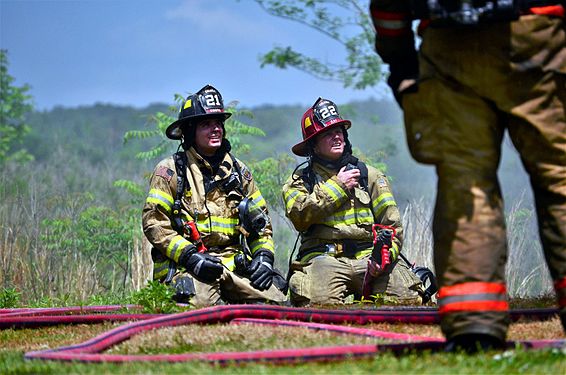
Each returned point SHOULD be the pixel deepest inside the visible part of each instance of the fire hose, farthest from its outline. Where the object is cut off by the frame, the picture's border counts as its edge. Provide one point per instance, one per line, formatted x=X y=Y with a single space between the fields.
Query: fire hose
x=317 y=319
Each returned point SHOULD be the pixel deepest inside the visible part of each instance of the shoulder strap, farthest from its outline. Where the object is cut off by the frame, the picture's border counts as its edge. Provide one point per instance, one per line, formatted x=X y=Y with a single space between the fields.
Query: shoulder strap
x=181 y=161
x=239 y=171
x=308 y=178
x=306 y=175
x=363 y=174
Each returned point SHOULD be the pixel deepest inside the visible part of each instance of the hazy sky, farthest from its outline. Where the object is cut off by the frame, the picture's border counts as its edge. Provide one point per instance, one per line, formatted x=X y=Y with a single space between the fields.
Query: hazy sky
x=136 y=52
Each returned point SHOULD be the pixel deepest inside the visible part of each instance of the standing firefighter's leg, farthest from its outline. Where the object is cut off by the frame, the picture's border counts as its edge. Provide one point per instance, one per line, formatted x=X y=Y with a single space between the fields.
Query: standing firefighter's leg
x=463 y=141
x=538 y=130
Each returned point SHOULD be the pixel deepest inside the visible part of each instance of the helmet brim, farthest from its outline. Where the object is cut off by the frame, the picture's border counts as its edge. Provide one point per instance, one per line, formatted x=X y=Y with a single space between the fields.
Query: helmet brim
x=300 y=149
x=174 y=131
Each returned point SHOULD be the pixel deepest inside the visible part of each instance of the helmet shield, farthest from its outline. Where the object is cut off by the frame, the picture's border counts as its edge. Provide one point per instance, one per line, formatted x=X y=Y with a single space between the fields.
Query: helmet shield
x=322 y=116
x=326 y=112
x=206 y=103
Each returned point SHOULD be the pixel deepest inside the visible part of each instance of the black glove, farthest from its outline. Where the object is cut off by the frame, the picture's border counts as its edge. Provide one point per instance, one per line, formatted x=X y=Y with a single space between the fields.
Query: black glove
x=406 y=68
x=261 y=270
x=203 y=266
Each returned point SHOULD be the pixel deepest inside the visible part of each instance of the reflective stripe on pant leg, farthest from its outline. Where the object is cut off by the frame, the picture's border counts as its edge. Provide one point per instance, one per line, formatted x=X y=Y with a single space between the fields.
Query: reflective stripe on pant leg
x=473 y=296
x=474 y=308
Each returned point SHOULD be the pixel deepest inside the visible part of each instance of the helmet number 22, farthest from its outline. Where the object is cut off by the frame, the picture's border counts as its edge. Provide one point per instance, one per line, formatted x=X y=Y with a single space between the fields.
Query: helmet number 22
x=328 y=111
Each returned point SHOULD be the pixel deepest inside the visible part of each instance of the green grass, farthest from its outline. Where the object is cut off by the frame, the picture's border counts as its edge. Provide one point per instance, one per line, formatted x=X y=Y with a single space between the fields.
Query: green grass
x=224 y=337
x=14 y=343
x=513 y=362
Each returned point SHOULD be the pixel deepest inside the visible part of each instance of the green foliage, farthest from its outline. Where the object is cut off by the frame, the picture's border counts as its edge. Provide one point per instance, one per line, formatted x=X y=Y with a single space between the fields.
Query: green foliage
x=14 y=105
x=346 y=23
x=375 y=159
x=9 y=298
x=132 y=188
x=236 y=129
x=270 y=175
x=156 y=298
x=100 y=235
x=102 y=230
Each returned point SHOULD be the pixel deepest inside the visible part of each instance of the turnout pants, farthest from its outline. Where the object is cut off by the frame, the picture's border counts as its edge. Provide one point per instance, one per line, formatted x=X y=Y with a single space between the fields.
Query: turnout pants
x=230 y=288
x=475 y=84
x=327 y=280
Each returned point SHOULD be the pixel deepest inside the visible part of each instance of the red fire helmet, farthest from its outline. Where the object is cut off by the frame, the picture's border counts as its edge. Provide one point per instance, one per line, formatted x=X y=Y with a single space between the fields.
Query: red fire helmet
x=322 y=116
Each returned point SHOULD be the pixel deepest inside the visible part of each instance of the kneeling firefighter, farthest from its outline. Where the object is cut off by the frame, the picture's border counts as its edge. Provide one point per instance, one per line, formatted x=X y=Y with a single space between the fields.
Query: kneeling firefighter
x=349 y=224
x=204 y=211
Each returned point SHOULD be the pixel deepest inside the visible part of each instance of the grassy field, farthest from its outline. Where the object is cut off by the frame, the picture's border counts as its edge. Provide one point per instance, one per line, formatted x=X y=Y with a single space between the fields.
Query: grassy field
x=184 y=339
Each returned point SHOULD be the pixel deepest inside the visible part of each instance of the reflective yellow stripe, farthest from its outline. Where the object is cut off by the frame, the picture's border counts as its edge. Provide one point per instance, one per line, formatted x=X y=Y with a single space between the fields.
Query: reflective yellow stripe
x=219 y=225
x=382 y=202
x=363 y=253
x=228 y=262
x=265 y=243
x=290 y=197
x=333 y=189
x=177 y=244
x=350 y=216
x=309 y=256
x=394 y=251
x=257 y=199
x=160 y=198
x=160 y=270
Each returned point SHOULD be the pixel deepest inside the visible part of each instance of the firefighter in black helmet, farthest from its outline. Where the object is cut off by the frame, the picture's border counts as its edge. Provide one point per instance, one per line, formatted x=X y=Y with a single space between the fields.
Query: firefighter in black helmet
x=191 y=214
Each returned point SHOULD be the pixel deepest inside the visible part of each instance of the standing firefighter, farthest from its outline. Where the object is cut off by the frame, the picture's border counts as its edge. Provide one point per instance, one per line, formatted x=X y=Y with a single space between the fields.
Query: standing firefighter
x=206 y=218
x=334 y=202
x=483 y=67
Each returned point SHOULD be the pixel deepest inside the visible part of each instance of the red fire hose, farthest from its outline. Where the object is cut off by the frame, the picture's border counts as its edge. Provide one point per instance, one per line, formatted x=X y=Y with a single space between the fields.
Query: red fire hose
x=91 y=350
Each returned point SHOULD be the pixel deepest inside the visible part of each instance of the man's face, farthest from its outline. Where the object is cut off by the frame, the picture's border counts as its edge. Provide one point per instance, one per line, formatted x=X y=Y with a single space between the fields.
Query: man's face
x=208 y=136
x=330 y=144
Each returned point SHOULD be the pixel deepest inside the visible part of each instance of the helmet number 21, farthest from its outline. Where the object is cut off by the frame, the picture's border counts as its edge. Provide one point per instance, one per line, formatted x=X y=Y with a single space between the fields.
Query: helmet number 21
x=212 y=100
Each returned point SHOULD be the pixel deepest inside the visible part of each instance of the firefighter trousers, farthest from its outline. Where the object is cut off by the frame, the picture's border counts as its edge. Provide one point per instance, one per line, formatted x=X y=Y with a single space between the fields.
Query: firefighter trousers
x=474 y=85
x=329 y=280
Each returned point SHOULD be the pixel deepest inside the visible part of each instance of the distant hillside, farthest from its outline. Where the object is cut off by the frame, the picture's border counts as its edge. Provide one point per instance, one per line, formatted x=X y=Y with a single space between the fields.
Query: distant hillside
x=93 y=136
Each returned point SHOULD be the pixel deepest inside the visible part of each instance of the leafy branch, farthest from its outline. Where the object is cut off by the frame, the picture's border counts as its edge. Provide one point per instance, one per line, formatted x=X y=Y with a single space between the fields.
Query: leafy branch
x=351 y=29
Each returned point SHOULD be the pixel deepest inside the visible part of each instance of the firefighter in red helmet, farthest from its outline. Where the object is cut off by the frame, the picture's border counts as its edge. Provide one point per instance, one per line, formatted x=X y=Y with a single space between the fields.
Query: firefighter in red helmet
x=333 y=202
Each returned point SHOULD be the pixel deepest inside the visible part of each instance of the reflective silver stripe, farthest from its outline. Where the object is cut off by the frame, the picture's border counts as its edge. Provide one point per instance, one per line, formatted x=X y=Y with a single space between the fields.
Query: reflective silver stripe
x=349 y=216
x=333 y=189
x=160 y=198
x=160 y=270
x=383 y=201
x=196 y=270
x=290 y=197
x=391 y=24
x=472 y=297
x=257 y=199
x=176 y=243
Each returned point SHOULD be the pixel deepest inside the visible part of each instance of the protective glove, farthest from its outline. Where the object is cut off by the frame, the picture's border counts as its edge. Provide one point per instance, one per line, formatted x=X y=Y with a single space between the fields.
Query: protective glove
x=204 y=267
x=261 y=270
x=405 y=70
